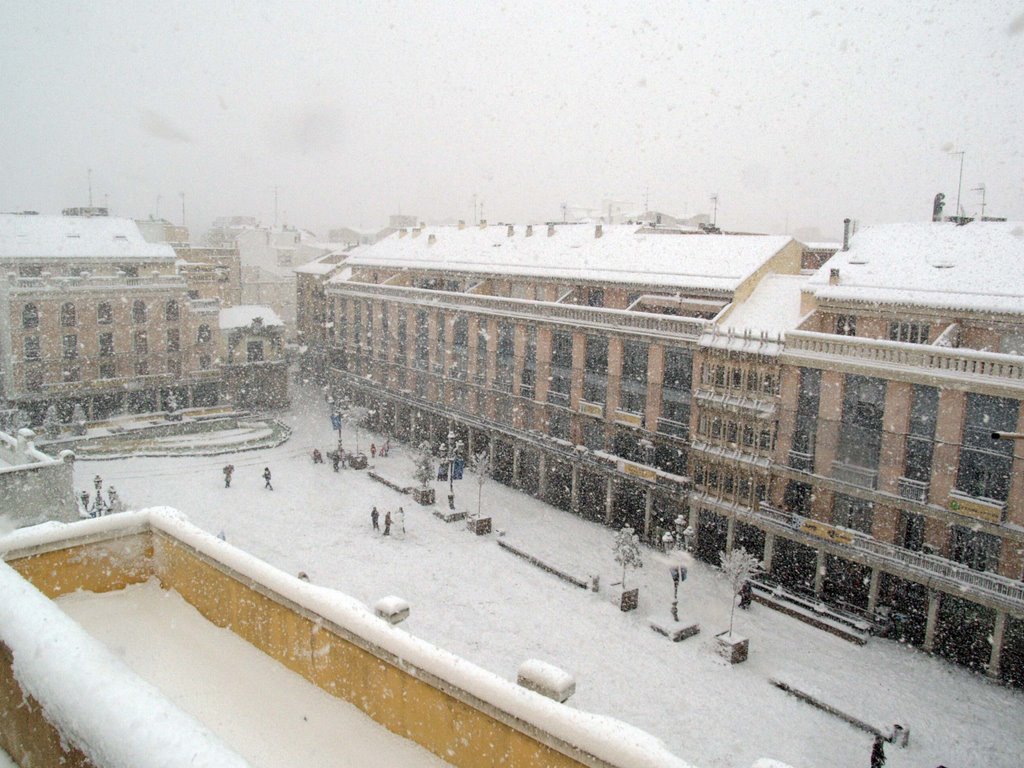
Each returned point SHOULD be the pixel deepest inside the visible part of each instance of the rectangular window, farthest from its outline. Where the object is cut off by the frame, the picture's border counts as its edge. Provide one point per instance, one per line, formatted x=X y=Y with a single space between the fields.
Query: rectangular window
x=505 y=356
x=460 y=347
x=924 y=413
x=675 y=392
x=422 y=353
x=70 y=346
x=846 y=325
x=441 y=348
x=849 y=512
x=633 y=385
x=254 y=352
x=383 y=339
x=109 y=370
x=808 y=400
x=595 y=369
x=985 y=464
x=911 y=533
x=401 y=358
x=480 y=374
x=141 y=343
x=173 y=340
x=72 y=373
x=106 y=345
x=914 y=333
x=31 y=347
x=860 y=434
x=142 y=367
x=104 y=313
x=528 y=378
x=174 y=366
x=561 y=368
x=975 y=549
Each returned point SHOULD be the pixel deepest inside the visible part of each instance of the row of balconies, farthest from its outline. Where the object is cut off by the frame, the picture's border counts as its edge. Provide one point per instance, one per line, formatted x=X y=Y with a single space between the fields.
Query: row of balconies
x=48 y=281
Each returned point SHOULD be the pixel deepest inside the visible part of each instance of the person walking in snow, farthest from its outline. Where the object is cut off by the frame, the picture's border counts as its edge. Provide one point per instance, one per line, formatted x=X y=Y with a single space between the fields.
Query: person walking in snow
x=373 y=450
x=266 y=477
x=401 y=520
x=877 y=753
x=387 y=523
x=85 y=501
x=746 y=594
x=228 y=470
x=387 y=447
x=335 y=460
x=374 y=517
x=317 y=456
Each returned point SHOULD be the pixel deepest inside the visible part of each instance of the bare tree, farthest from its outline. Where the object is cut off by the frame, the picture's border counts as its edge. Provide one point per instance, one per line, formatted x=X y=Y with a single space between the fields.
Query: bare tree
x=738 y=566
x=481 y=465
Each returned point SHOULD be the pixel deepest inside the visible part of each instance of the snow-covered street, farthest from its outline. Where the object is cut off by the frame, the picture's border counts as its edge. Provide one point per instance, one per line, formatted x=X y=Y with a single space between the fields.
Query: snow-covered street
x=473 y=598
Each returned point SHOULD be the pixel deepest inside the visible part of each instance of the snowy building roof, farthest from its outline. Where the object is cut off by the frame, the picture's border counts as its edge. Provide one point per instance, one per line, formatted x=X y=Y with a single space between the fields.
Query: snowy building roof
x=976 y=267
x=35 y=237
x=243 y=315
x=622 y=254
x=324 y=265
x=774 y=306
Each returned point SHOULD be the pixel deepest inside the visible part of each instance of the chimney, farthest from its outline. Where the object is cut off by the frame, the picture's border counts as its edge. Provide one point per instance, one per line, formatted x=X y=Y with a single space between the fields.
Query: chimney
x=462 y=224
x=483 y=223
x=416 y=231
x=529 y=230
x=598 y=231
x=511 y=230
x=401 y=233
x=833 y=276
x=846 y=234
x=431 y=238
x=551 y=230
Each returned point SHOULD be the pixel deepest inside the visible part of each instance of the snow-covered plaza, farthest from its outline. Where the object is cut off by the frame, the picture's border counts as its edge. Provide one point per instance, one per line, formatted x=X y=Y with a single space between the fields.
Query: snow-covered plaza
x=473 y=598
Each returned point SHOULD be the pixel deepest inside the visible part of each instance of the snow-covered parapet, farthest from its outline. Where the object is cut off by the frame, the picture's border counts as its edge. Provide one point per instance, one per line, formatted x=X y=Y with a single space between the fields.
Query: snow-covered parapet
x=94 y=700
x=546 y=679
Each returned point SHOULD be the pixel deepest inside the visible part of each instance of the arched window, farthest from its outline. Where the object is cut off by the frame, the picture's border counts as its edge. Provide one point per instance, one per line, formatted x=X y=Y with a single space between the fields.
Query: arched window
x=30 y=316
x=171 y=311
x=139 y=311
x=67 y=315
x=104 y=313
x=204 y=334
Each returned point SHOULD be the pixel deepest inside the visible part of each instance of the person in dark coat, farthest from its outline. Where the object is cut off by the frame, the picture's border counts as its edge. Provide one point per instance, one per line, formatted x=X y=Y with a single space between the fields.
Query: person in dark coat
x=317 y=456
x=374 y=517
x=266 y=478
x=877 y=753
x=387 y=523
x=228 y=471
x=335 y=460
x=746 y=594
x=373 y=450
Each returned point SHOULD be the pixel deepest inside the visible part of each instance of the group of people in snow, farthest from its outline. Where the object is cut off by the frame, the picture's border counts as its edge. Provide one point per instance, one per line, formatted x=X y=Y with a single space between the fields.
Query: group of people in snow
x=229 y=471
x=398 y=520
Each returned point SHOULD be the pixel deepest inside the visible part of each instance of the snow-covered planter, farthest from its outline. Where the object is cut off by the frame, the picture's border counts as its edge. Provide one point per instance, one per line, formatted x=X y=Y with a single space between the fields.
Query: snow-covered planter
x=479 y=525
x=732 y=647
x=627 y=554
x=357 y=461
x=424 y=496
x=627 y=599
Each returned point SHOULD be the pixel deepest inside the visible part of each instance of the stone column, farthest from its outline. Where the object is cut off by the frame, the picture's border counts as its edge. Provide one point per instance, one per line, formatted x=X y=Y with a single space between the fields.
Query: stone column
x=769 y=552
x=574 y=493
x=730 y=533
x=516 y=453
x=609 y=501
x=997 y=645
x=934 y=599
x=542 y=475
x=873 y=590
x=648 y=507
x=490 y=450
x=819 y=572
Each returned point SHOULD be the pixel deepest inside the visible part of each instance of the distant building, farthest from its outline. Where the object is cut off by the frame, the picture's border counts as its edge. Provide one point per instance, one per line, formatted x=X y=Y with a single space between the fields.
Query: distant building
x=163 y=231
x=254 y=363
x=314 y=313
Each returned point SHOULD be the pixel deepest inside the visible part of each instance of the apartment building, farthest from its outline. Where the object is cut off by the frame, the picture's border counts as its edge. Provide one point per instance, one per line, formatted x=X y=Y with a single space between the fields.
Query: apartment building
x=836 y=424
x=93 y=315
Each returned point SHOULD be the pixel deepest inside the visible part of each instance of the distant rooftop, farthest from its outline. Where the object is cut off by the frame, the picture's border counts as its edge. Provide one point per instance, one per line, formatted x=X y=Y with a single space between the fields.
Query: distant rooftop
x=622 y=254
x=243 y=315
x=976 y=267
x=40 y=237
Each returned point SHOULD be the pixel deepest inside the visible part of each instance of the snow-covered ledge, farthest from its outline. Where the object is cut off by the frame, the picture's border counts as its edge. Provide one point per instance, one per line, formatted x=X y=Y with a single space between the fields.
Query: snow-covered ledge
x=590 y=739
x=90 y=695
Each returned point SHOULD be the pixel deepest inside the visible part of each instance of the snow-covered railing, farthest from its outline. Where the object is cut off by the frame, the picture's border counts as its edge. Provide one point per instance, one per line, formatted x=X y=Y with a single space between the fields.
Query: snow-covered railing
x=98 y=282
x=928 y=569
x=596 y=317
x=941 y=361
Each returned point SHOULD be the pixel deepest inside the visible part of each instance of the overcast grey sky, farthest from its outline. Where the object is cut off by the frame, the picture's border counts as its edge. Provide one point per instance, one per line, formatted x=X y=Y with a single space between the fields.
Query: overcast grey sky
x=796 y=113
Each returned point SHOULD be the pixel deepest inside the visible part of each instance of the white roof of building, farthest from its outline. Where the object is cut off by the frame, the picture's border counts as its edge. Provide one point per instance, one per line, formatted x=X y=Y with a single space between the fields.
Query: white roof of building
x=623 y=254
x=243 y=315
x=25 y=236
x=774 y=306
x=976 y=267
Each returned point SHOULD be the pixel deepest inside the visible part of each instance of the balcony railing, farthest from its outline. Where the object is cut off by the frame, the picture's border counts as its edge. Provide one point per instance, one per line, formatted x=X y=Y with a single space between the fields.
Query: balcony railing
x=854 y=475
x=925 y=568
x=1007 y=370
x=915 y=490
x=594 y=317
x=801 y=462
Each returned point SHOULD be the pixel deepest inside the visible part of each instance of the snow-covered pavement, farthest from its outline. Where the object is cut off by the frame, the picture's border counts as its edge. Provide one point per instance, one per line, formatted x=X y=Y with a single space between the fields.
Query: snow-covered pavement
x=475 y=599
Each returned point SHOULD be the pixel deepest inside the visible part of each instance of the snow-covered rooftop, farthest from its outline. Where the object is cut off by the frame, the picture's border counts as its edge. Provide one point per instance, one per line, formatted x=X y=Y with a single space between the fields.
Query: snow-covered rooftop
x=774 y=306
x=976 y=267
x=243 y=315
x=33 y=236
x=623 y=254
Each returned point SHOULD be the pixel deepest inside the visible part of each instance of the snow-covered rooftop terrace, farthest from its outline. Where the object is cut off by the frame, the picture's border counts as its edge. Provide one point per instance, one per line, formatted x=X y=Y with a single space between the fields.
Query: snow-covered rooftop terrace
x=977 y=267
x=623 y=253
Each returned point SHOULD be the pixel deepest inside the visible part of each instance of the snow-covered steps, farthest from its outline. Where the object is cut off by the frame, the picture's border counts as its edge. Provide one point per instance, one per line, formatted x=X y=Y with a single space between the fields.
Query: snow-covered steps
x=814 y=613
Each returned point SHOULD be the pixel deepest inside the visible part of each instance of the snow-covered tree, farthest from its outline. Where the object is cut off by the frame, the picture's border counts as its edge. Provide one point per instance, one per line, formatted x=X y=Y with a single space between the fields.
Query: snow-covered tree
x=21 y=419
x=51 y=422
x=738 y=566
x=172 y=401
x=424 y=463
x=481 y=465
x=78 y=419
x=627 y=551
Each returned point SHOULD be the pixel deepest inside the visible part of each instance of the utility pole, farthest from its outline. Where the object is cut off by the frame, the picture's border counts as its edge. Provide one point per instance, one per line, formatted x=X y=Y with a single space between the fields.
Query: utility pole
x=714 y=216
x=182 y=208
x=960 y=182
x=89 y=174
x=981 y=188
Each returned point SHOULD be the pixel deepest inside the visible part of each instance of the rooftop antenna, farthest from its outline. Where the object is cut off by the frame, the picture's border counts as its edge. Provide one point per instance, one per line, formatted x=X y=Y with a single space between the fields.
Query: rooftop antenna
x=275 y=205
x=981 y=188
x=89 y=174
x=565 y=213
x=647 y=198
x=157 y=215
x=182 y=208
x=714 y=216
x=959 y=183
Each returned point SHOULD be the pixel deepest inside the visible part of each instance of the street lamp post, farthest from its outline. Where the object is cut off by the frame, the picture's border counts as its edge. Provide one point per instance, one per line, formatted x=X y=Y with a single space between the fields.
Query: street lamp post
x=335 y=418
x=453 y=453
